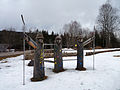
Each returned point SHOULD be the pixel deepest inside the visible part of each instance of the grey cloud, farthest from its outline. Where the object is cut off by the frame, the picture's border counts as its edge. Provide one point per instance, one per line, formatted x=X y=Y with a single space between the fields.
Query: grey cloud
x=48 y=14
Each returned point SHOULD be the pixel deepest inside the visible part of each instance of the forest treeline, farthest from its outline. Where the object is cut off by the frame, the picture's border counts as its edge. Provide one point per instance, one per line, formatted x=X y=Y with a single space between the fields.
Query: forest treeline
x=15 y=39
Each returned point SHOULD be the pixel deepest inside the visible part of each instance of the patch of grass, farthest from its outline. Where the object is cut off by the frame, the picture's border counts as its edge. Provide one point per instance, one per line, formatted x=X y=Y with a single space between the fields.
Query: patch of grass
x=4 y=61
x=116 y=56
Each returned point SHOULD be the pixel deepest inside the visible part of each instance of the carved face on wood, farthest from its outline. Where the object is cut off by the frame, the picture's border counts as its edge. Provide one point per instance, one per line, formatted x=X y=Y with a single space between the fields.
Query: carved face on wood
x=58 y=40
x=39 y=38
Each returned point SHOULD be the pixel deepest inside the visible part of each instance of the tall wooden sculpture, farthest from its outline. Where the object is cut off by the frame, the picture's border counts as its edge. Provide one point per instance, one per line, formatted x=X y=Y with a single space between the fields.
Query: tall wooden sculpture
x=39 y=73
x=80 y=54
x=58 y=61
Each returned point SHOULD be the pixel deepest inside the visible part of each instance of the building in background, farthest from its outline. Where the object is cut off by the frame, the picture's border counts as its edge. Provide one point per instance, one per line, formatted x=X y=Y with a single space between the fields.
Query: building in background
x=3 y=47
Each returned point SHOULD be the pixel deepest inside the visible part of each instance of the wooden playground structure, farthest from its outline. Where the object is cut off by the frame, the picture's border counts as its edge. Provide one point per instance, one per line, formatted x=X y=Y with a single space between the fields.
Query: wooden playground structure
x=39 y=54
x=37 y=57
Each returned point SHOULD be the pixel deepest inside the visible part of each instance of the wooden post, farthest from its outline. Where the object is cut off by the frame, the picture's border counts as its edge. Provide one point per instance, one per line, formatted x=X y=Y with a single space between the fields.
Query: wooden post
x=58 y=61
x=80 y=54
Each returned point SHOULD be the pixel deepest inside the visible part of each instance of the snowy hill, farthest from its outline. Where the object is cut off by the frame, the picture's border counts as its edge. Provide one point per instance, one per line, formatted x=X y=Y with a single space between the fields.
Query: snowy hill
x=104 y=77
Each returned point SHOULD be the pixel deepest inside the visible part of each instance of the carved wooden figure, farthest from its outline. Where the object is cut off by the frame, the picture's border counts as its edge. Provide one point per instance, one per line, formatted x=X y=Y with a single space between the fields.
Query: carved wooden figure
x=58 y=61
x=80 y=54
x=39 y=73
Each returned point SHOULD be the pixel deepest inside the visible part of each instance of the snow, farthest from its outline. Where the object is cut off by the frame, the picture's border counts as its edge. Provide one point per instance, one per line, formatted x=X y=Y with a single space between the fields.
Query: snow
x=65 y=50
x=104 y=77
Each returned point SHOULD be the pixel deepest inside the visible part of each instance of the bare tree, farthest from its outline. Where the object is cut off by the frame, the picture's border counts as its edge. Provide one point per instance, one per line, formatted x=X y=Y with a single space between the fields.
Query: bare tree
x=72 y=30
x=108 y=22
x=86 y=33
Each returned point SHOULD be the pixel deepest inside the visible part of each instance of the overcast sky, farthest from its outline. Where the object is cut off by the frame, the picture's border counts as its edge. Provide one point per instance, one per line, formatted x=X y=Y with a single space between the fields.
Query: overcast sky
x=49 y=14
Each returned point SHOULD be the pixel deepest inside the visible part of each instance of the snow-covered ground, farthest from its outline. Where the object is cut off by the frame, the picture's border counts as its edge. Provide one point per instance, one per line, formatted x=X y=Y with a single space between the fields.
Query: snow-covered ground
x=106 y=75
x=65 y=50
